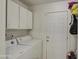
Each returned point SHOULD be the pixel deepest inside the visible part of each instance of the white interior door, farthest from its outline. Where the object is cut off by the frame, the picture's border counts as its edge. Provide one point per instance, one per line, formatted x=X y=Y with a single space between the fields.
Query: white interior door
x=2 y=28
x=57 y=32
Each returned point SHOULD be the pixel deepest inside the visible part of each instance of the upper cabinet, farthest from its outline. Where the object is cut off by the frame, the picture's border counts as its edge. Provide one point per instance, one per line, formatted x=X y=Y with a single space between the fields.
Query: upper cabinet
x=29 y=19
x=25 y=18
x=18 y=17
x=12 y=15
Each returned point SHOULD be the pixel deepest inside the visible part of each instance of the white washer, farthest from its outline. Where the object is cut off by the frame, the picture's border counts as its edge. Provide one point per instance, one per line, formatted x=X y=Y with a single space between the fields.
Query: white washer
x=18 y=51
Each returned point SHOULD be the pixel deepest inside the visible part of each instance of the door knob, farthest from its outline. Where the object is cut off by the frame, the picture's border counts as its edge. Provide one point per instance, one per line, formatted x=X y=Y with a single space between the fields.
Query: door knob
x=47 y=37
x=47 y=40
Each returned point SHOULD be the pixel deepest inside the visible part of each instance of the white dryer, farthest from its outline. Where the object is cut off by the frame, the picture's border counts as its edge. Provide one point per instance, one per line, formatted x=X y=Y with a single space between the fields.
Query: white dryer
x=36 y=46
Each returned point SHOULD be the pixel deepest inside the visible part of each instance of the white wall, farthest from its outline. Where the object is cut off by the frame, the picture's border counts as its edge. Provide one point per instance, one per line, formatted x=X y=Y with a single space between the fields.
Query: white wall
x=39 y=12
x=2 y=28
x=20 y=2
x=16 y=33
x=39 y=27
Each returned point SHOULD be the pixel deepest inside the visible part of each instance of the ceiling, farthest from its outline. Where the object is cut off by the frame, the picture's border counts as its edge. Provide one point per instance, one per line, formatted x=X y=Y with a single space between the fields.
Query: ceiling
x=36 y=2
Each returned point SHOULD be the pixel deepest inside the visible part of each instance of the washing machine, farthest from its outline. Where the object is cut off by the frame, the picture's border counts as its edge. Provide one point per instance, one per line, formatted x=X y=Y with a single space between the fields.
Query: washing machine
x=14 y=51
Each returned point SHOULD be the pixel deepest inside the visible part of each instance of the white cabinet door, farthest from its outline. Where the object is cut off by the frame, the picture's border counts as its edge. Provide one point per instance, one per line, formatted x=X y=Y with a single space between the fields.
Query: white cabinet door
x=12 y=15
x=57 y=32
x=29 y=19
x=25 y=19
